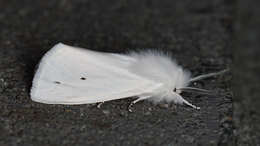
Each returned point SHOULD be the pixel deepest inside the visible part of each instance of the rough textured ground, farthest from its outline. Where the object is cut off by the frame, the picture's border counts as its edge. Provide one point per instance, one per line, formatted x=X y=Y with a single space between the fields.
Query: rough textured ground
x=246 y=74
x=197 y=33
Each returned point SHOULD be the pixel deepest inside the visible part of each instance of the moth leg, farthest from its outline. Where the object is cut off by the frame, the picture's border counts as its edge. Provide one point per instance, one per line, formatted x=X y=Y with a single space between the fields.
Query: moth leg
x=99 y=104
x=191 y=105
x=135 y=101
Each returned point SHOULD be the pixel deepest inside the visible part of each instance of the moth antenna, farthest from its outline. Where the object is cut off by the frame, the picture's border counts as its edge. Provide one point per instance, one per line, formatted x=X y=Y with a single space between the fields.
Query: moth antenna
x=197 y=90
x=208 y=75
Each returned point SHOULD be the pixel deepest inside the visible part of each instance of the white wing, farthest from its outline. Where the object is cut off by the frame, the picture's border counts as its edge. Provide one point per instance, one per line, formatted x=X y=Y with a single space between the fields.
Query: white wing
x=68 y=75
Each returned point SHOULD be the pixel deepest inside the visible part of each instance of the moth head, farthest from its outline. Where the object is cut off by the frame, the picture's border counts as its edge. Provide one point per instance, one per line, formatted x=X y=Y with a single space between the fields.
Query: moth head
x=175 y=90
x=179 y=90
x=181 y=79
x=185 y=80
x=182 y=82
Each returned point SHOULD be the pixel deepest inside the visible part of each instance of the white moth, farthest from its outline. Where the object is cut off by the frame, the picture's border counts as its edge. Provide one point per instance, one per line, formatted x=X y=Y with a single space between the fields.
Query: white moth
x=70 y=75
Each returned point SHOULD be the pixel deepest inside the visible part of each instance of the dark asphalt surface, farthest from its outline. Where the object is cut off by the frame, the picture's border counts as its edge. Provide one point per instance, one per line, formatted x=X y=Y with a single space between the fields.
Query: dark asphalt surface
x=197 y=33
x=246 y=79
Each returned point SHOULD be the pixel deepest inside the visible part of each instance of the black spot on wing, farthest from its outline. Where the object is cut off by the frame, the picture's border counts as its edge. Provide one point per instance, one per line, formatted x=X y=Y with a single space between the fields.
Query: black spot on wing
x=82 y=78
x=57 y=82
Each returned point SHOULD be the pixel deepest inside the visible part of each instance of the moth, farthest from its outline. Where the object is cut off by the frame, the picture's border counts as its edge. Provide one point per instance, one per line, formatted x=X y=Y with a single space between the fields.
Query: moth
x=71 y=75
